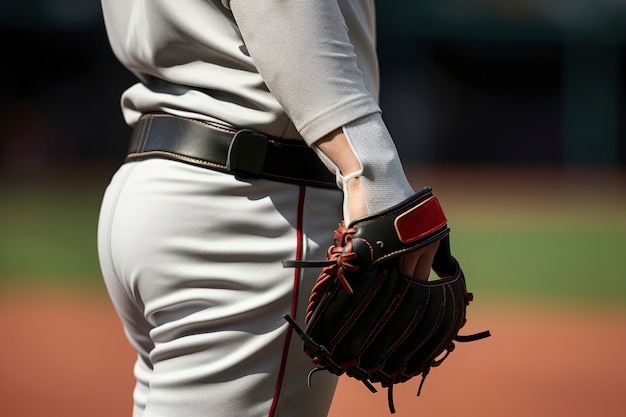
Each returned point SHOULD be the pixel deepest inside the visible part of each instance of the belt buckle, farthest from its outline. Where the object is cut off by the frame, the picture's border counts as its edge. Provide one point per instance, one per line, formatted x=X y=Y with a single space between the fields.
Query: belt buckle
x=246 y=153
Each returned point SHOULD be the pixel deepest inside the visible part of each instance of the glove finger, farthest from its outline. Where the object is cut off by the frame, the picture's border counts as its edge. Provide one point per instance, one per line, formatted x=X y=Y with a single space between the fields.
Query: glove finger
x=425 y=262
x=418 y=264
x=408 y=263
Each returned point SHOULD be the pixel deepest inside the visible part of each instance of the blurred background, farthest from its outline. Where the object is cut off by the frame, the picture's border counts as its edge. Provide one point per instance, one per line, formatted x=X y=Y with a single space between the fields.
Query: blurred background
x=514 y=111
x=525 y=82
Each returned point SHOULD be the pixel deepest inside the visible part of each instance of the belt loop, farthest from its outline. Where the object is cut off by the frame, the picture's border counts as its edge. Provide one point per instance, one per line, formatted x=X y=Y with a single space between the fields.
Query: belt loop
x=246 y=153
x=143 y=134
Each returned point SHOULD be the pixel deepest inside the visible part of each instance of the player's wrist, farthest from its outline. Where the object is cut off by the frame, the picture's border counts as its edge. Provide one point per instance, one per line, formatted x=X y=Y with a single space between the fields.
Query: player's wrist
x=364 y=149
x=382 y=178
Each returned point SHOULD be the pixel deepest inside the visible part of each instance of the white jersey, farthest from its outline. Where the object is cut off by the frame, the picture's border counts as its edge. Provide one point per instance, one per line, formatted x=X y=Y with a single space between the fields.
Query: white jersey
x=219 y=61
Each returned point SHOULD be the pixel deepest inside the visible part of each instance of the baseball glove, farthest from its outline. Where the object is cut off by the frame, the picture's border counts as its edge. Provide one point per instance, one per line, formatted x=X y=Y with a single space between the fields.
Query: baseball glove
x=370 y=321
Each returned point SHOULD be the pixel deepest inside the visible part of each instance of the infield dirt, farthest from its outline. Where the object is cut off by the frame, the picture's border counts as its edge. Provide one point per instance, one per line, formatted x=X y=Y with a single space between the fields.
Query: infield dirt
x=64 y=354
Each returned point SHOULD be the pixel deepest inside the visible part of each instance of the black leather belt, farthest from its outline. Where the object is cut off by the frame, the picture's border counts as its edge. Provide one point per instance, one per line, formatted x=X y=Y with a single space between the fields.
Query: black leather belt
x=244 y=153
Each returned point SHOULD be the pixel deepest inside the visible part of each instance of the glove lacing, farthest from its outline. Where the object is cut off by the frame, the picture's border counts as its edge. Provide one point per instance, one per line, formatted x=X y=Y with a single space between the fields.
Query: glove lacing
x=338 y=258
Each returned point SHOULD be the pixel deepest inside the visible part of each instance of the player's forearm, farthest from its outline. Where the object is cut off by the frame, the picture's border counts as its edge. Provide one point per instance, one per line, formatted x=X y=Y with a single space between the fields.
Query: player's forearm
x=304 y=53
x=367 y=165
x=336 y=147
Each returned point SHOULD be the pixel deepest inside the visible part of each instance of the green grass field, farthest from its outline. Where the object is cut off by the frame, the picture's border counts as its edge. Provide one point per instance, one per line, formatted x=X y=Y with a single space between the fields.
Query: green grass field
x=541 y=250
x=48 y=234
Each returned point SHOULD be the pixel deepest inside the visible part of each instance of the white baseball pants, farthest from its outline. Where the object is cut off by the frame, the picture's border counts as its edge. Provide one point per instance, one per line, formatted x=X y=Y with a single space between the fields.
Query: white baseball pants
x=192 y=262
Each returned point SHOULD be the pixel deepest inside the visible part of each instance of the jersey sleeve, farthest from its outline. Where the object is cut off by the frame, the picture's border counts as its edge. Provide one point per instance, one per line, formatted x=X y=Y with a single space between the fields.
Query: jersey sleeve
x=304 y=53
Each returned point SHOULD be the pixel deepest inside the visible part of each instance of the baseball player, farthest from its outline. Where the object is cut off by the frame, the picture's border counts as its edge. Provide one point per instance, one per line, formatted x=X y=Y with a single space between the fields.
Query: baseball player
x=256 y=130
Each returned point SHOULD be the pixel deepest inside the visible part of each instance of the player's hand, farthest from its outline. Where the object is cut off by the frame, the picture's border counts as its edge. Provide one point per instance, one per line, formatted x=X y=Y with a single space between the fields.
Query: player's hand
x=416 y=264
